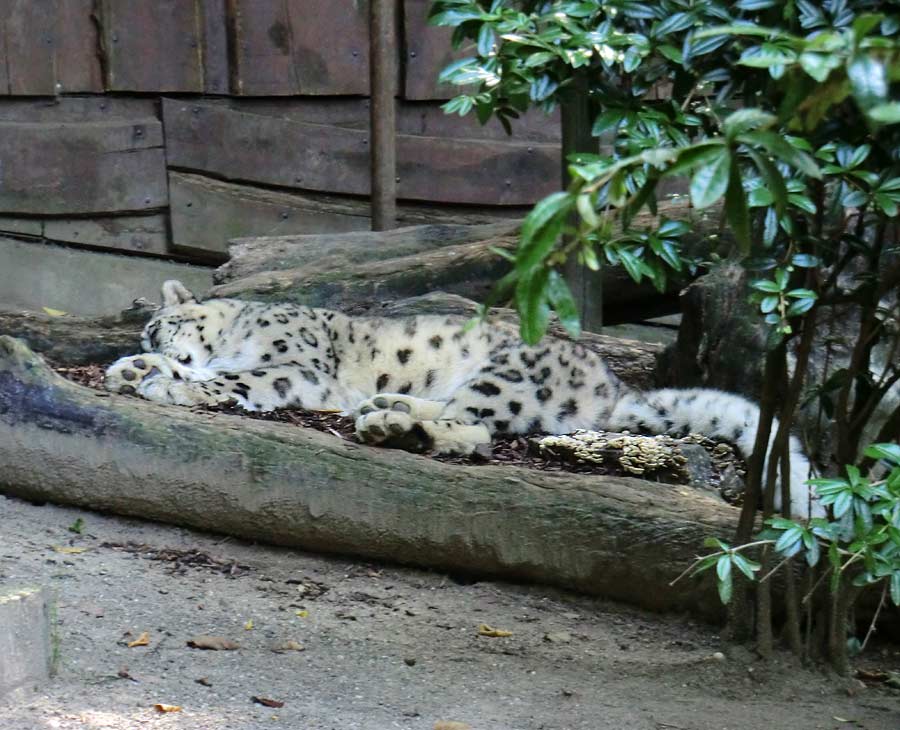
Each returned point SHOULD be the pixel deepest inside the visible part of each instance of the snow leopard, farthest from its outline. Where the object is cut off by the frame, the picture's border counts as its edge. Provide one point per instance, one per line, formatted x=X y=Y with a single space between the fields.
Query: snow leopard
x=426 y=383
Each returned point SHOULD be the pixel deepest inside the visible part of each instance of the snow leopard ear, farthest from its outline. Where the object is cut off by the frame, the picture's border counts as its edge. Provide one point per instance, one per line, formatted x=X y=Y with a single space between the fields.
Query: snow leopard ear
x=174 y=292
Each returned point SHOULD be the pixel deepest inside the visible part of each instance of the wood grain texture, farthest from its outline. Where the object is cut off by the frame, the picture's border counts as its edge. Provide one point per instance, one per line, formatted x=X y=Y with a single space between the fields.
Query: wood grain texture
x=207 y=214
x=309 y=47
x=28 y=47
x=152 y=46
x=427 y=52
x=78 y=68
x=140 y=234
x=274 y=150
x=70 y=168
x=292 y=486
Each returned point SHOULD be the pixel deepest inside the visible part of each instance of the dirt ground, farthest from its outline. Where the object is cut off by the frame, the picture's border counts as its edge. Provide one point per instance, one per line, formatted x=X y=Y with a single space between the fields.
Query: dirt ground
x=381 y=646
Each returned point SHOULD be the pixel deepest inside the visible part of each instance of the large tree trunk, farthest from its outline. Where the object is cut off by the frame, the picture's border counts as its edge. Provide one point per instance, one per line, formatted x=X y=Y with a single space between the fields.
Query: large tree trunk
x=616 y=537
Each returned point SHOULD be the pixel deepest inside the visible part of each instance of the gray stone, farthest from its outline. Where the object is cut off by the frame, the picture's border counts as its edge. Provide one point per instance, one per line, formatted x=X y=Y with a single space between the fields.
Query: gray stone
x=27 y=646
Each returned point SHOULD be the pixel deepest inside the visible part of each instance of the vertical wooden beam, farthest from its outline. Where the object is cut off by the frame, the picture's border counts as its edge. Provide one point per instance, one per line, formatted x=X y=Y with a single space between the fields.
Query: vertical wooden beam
x=382 y=116
x=577 y=120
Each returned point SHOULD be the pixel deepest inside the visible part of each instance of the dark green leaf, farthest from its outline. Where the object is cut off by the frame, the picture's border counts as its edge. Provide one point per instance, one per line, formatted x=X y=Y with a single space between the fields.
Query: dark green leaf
x=541 y=228
x=710 y=182
x=888 y=452
x=454 y=17
x=747 y=567
x=782 y=150
x=868 y=81
x=746 y=120
x=562 y=302
x=531 y=301
x=773 y=178
x=736 y=211
x=768 y=304
x=805 y=261
x=486 y=40
x=607 y=120
x=886 y=113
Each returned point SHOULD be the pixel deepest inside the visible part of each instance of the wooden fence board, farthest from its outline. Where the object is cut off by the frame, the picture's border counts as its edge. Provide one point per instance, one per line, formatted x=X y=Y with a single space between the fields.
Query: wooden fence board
x=142 y=234
x=310 y=47
x=22 y=226
x=428 y=51
x=152 y=46
x=238 y=145
x=207 y=213
x=58 y=169
x=214 y=45
x=30 y=46
x=78 y=48
x=424 y=118
x=76 y=109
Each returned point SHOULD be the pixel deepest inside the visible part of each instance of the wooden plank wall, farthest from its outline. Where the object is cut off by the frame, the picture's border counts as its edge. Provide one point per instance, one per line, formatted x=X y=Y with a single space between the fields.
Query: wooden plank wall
x=168 y=127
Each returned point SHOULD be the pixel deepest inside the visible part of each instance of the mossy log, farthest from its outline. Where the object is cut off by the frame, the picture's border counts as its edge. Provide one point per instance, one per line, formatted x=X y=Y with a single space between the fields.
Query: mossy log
x=616 y=537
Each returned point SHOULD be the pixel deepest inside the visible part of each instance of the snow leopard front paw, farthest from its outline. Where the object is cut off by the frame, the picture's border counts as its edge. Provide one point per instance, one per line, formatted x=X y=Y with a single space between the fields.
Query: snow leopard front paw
x=417 y=408
x=394 y=429
x=127 y=375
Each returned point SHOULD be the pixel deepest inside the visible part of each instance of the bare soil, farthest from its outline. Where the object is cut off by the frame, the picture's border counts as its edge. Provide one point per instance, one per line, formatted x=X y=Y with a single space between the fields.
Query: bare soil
x=382 y=646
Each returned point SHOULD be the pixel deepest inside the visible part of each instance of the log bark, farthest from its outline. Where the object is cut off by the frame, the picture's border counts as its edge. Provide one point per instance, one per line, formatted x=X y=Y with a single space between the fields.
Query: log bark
x=79 y=340
x=616 y=537
x=350 y=271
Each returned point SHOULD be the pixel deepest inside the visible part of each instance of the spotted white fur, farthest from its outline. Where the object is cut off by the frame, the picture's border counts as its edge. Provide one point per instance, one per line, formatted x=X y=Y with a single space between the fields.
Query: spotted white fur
x=420 y=383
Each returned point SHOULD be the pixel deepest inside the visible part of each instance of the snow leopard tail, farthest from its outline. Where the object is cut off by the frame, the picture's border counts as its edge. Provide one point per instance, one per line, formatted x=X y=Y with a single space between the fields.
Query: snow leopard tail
x=716 y=414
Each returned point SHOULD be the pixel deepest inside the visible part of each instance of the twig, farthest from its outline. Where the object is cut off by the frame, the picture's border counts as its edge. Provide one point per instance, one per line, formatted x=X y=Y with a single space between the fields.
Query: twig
x=874 y=618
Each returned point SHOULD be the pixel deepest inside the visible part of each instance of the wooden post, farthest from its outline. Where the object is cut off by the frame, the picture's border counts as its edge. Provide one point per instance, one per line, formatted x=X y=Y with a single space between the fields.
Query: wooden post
x=383 y=70
x=577 y=120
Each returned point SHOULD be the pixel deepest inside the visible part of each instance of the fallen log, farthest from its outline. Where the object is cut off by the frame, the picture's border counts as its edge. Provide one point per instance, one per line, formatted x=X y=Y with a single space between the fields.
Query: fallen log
x=79 y=340
x=348 y=271
x=621 y=538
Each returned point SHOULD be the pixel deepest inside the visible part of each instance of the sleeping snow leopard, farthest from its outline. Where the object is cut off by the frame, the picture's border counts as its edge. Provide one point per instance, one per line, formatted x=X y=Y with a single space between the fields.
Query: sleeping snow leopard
x=420 y=383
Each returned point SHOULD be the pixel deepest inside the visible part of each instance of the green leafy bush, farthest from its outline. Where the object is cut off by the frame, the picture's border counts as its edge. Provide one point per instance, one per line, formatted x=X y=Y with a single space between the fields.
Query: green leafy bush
x=782 y=118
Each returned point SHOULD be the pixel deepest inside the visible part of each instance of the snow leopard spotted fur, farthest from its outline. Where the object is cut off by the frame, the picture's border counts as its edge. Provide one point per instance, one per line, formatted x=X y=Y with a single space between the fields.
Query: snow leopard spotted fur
x=420 y=383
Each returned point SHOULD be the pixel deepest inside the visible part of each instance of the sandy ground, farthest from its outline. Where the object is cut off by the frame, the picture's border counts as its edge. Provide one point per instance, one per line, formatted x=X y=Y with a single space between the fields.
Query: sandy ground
x=382 y=647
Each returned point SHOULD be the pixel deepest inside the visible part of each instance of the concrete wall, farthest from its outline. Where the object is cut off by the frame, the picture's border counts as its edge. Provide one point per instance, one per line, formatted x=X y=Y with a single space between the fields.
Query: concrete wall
x=34 y=275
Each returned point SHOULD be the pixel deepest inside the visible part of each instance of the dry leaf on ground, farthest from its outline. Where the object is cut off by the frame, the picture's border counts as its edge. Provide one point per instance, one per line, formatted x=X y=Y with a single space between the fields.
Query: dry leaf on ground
x=65 y=550
x=267 y=702
x=159 y=707
x=142 y=640
x=214 y=643
x=485 y=630
x=451 y=725
x=249 y=625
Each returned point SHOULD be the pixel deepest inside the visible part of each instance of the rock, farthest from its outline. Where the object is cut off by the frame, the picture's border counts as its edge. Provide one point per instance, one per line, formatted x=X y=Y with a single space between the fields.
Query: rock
x=27 y=644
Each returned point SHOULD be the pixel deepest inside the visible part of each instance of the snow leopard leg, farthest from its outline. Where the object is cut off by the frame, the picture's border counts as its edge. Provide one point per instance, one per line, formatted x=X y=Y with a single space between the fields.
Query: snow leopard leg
x=399 y=430
x=418 y=408
x=164 y=380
